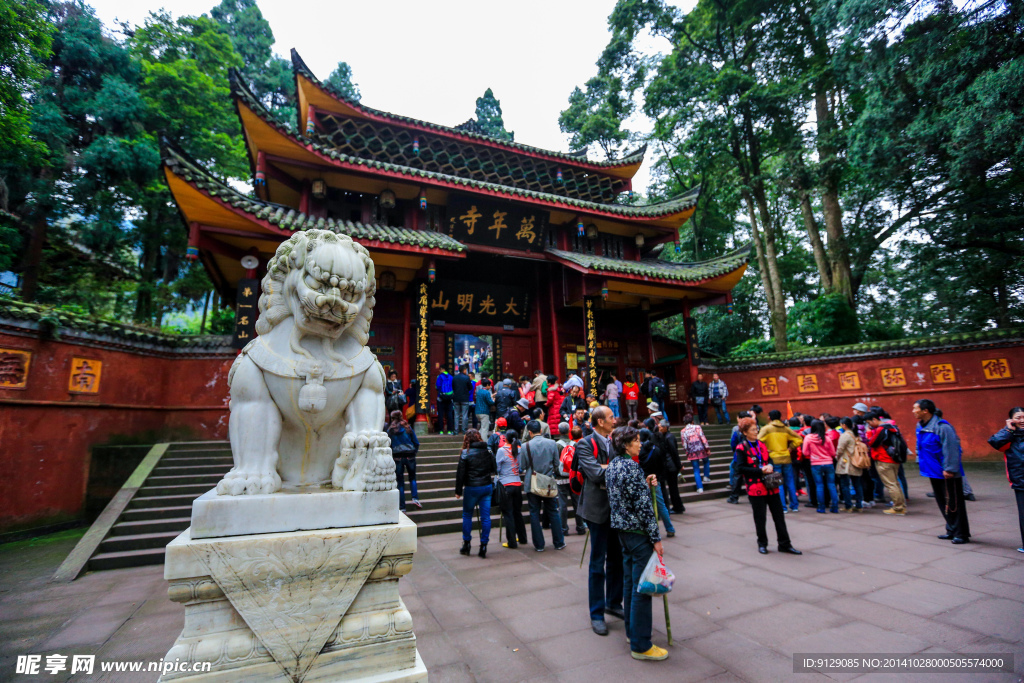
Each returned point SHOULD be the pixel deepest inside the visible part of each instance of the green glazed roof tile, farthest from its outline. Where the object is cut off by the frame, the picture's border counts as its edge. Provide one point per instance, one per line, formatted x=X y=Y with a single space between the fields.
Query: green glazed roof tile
x=287 y=218
x=665 y=270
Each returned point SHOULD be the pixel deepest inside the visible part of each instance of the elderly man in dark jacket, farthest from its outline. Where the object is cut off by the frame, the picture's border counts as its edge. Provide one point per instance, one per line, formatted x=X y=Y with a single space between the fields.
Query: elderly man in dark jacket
x=1010 y=442
x=541 y=456
x=505 y=399
x=605 y=586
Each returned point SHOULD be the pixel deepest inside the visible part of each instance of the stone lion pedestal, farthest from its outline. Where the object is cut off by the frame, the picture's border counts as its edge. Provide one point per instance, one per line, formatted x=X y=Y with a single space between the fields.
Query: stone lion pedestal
x=290 y=569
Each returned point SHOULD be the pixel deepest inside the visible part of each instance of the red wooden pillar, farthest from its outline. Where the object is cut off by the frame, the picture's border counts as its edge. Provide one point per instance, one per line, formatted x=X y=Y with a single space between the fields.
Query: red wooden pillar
x=538 y=337
x=406 y=339
x=304 y=199
x=557 y=352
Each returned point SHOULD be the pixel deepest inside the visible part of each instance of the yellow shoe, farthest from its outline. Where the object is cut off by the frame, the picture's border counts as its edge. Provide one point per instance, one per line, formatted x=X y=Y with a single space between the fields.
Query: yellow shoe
x=655 y=654
x=891 y=511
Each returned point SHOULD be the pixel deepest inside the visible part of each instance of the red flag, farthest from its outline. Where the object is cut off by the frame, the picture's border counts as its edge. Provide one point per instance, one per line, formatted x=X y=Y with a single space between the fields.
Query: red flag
x=789 y=410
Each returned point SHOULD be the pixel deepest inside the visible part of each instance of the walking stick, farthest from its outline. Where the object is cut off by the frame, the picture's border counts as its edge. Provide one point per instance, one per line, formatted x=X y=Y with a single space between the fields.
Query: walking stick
x=664 y=596
x=585 y=539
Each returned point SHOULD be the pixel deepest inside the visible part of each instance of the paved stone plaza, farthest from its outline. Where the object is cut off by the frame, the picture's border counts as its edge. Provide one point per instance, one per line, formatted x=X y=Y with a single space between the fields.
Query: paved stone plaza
x=869 y=583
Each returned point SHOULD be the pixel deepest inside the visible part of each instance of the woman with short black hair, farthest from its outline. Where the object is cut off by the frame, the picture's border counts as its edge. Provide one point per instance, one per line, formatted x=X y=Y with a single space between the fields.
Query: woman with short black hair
x=753 y=464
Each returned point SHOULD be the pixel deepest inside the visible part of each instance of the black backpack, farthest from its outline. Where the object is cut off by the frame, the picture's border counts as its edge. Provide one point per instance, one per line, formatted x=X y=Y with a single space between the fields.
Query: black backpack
x=895 y=445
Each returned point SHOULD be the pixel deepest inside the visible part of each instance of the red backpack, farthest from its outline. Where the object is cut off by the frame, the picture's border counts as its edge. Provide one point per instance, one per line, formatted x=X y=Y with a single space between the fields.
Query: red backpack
x=569 y=464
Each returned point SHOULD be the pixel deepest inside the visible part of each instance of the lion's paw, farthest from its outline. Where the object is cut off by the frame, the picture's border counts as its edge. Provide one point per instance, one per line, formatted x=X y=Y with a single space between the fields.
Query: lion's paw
x=240 y=482
x=365 y=463
x=380 y=470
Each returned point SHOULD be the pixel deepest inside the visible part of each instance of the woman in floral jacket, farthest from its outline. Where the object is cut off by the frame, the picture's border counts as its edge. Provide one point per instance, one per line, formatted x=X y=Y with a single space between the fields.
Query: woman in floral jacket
x=697 y=451
x=632 y=515
x=752 y=464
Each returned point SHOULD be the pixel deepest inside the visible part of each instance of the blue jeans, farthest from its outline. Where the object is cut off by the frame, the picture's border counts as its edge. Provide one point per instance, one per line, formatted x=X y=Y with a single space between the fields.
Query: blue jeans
x=788 y=487
x=462 y=417
x=722 y=412
x=636 y=552
x=404 y=463
x=550 y=506
x=696 y=470
x=845 y=482
x=473 y=496
x=605 y=575
x=732 y=472
x=825 y=475
x=663 y=510
x=613 y=404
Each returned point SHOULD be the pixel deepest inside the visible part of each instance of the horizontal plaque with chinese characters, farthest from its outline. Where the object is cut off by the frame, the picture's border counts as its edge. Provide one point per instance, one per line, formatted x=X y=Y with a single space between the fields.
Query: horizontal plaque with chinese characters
x=85 y=376
x=943 y=373
x=996 y=368
x=807 y=384
x=14 y=368
x=849 y=381
x=496 y=224
x=479 y=303
x=893 y=377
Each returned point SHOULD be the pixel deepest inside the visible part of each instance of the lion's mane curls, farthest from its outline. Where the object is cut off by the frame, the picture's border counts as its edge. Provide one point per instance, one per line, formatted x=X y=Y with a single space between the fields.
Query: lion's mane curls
x=291 y=255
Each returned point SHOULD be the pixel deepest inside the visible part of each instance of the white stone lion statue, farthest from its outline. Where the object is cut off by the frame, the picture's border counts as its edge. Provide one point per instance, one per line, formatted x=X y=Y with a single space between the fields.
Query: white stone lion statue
x=307 y=402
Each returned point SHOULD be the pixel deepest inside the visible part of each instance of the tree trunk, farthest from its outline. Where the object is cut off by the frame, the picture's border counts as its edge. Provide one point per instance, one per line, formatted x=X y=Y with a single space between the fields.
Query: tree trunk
x=814 y=235
x=34 y=258
x=768 y=265
x=838 y=252
x=206 y=306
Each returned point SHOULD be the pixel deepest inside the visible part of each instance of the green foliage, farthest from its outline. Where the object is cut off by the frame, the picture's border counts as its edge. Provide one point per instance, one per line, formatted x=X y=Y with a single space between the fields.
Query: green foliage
x=341 y=80
x=25 y=36
x=595 y=115
x=488 y=117
x=826 y=321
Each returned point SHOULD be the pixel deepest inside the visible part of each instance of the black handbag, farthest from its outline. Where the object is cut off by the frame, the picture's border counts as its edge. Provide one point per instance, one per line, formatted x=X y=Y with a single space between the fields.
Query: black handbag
x=498 y=495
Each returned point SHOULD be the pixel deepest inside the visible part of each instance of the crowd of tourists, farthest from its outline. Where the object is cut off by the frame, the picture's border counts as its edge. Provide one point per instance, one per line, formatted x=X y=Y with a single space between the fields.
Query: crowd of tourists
x=557 y=448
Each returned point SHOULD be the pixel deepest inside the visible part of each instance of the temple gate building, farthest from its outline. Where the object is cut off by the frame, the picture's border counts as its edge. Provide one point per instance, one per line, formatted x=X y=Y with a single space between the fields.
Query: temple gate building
x=487 y=252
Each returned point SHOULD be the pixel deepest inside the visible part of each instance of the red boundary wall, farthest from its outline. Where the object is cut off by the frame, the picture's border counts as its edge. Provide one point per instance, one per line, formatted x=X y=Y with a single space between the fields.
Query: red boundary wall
x=46 y=431
x=975 y=403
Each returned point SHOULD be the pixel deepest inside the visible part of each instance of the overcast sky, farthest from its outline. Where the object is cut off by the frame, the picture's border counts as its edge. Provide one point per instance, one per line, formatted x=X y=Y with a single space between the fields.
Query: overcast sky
x=431 y=60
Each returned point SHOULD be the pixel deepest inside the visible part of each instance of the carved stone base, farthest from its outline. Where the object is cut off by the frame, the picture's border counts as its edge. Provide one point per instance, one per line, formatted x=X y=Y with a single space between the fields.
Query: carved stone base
x=290 y=509
x=288 y=607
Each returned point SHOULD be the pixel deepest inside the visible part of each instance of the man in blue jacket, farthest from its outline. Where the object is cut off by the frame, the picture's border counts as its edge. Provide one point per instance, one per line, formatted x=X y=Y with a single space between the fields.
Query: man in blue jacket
x=938 y=456
x=445 y=408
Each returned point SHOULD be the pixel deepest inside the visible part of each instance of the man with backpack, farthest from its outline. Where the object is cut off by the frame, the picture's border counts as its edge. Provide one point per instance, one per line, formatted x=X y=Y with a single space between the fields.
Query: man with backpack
x=939 y=457
x=445 y=407
x=593 y=454
x=505 y=398
x=462 y=393
x=889 y=451
x=566 y=442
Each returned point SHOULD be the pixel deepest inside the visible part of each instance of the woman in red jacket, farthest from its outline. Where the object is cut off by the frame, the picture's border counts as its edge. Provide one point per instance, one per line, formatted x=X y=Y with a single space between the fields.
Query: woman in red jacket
x=555 y=398
x=631 y=394
x=753 y=464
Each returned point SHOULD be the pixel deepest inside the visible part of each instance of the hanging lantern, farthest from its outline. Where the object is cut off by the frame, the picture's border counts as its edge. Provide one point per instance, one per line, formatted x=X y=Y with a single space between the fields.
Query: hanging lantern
x=387 y=199
x=192 y=253
x=631 y=195
x=432 y=271
x=261 y=178
x=639 y=239
x=580 y=230
x=423 y=200
x=645 y=304
x=310 y=122
x=387 y=281
x=558 y=177
x=604 y=291
x=679 y=247
x=728 y=308
x=415 y=145
x=319 y=188
x=592 y=231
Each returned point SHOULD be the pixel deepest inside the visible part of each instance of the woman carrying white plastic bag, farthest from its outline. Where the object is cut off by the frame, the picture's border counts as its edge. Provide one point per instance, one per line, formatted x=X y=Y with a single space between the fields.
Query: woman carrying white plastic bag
x=632 y=515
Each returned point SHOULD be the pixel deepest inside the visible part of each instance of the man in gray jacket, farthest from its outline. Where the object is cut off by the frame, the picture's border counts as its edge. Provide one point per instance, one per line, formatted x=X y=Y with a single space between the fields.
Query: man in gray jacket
x=605 y=587
x=541 y=455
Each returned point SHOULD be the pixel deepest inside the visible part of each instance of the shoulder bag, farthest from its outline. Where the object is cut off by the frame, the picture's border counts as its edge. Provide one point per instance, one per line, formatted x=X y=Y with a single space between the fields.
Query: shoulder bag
x=540 y=484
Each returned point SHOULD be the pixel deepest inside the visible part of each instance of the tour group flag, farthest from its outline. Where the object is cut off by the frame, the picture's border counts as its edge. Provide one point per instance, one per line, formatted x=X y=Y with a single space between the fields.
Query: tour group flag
x=789 y=410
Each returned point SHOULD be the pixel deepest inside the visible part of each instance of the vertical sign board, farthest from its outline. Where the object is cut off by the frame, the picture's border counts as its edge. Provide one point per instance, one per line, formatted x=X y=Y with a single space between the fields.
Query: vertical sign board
x=499 y=369
x=691 y=338
x=422 y=397
x=449 y=353
x=590 y=338
x=246 y=312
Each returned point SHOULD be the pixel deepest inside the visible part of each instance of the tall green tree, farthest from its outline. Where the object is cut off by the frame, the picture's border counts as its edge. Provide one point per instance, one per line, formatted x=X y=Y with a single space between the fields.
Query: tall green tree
x=596 y=114
x=184 y=66
x=488 y=117
x=87 y=115
x=341 y=80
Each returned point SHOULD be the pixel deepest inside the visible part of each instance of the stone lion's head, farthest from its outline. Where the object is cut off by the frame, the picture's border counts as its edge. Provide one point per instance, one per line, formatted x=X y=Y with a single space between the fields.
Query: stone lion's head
x=322 y=279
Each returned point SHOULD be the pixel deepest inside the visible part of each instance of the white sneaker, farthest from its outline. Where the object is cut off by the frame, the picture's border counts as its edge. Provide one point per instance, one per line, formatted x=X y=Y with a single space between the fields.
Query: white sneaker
x=707 y=478
x=417 y=503
x=700 y=490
